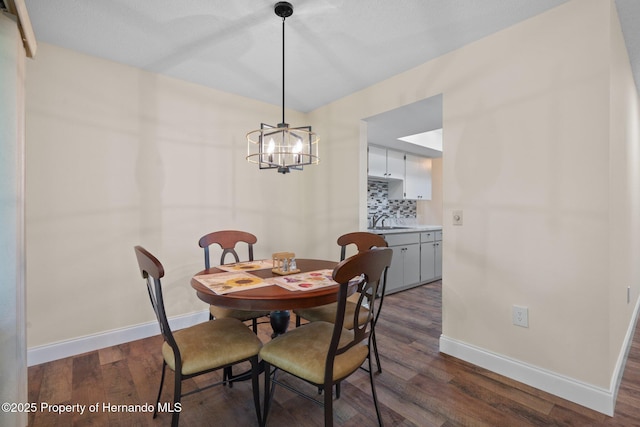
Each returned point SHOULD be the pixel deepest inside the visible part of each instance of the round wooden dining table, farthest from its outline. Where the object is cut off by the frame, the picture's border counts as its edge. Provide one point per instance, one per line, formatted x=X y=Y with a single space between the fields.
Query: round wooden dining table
x=274 y=298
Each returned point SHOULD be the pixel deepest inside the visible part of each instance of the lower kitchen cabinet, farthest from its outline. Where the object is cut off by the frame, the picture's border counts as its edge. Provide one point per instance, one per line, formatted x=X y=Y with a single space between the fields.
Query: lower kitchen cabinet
x=404 y=271
x=438 y=257
x=417 y=259
x=430 y=256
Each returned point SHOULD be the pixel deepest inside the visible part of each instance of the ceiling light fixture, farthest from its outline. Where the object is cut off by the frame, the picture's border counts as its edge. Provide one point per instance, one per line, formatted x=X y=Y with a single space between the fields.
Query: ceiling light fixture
x=281 y=146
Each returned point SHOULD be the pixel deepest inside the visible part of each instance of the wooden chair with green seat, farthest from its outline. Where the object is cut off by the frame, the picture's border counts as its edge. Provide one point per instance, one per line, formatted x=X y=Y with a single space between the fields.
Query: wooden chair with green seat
x=363 y=241
x=325 y=353
x=227 y=240
x=198 y=349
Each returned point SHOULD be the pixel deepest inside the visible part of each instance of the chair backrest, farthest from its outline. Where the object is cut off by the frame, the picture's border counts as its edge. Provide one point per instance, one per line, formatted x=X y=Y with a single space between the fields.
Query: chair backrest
x=227 y=239
x=363 y=241
x=369 y=267
x=152 y=270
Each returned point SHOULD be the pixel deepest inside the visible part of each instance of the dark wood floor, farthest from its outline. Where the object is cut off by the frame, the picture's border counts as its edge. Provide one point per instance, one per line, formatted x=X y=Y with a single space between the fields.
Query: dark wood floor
x=418 y=385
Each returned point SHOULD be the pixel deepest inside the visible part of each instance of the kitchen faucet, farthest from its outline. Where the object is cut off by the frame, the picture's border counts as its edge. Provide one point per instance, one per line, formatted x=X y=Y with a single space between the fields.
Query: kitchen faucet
x=375 y=219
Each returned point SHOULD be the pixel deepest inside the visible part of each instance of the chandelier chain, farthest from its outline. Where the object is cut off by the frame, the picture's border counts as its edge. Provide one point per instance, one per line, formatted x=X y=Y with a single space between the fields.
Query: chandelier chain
x=283 y=19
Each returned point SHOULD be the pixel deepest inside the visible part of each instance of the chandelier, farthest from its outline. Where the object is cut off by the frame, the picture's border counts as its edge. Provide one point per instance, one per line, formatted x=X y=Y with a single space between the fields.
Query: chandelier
x=282 y=147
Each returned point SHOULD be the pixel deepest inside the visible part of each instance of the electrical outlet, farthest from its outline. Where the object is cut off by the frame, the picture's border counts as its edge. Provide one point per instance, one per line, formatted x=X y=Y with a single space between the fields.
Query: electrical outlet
x=520 y=316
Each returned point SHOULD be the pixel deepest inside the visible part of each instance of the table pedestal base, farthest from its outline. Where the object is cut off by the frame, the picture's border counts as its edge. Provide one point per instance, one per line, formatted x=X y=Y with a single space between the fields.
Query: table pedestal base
x=279 y=322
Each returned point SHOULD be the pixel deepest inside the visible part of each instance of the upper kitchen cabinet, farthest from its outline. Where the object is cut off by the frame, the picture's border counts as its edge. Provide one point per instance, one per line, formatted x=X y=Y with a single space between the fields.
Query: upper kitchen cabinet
x=384 y=163
x=417 y=181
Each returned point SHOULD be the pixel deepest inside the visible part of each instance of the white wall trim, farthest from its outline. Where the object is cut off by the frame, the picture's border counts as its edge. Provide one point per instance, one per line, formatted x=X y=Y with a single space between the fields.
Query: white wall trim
x=596 y=398
x=58 y=350
x=592 y=397
x=616 y=378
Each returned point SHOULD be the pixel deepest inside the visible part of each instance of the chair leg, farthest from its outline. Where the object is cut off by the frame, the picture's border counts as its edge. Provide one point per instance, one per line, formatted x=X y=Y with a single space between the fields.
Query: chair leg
x=177 y=394
x=155 y=410
x=328 y=405
x=227 y=375
x=297 y=321
x=373 y=392
x=375 y=350
x=254 y=325
x=267 y=392
x=255 y=372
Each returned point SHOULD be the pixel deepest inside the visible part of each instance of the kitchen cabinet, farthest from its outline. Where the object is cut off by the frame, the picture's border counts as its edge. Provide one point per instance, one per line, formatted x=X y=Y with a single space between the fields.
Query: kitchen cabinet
x=384 y=163
x=417 y=181
x=409 y=176
x=377 y=162
x=430 y=256
x=404 y=271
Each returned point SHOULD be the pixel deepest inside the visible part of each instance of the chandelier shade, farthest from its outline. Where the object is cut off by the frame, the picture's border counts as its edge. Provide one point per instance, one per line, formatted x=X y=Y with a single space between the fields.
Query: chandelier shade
x=282 y=147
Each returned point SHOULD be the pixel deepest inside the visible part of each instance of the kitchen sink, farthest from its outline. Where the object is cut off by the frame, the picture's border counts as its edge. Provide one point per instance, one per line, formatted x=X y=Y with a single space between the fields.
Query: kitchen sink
x=389 y=227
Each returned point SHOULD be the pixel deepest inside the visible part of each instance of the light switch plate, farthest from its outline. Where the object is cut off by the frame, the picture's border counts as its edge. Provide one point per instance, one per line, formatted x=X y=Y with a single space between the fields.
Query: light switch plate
x=457 y=217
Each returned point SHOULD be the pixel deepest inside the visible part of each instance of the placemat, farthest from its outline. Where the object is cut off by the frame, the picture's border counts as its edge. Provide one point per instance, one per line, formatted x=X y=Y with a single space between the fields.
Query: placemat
x=306 y=281
x=224 y=283
x=261 y=264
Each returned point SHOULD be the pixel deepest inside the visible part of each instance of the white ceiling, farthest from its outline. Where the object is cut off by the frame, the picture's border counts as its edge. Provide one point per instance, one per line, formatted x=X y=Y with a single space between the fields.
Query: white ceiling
x=422 y=116
x=333 y=47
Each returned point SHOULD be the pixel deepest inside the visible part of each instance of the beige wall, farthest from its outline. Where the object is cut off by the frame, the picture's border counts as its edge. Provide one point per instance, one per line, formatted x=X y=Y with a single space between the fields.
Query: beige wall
x=527 y=134
x=528 y=160
x=118 y=157
x=624 y=189
x=13 y=357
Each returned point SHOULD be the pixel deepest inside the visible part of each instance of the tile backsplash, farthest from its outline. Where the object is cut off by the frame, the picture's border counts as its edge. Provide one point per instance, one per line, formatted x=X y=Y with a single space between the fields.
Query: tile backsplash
x=378 y=202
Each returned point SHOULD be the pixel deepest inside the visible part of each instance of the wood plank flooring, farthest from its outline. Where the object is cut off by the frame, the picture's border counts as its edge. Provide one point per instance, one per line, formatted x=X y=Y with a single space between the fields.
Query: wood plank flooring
x=418 y=385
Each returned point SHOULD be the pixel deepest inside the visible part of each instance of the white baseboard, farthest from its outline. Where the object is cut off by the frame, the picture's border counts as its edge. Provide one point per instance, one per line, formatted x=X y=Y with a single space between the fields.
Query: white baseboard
x=592 y=397
x=48 y=352
x=596 y=398
x=616 y=378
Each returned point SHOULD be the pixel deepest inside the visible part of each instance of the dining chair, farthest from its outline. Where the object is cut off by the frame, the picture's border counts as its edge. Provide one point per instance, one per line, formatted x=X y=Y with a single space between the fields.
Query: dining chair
x=327 y=313
x=227 y=240
x=198 y=349
x=324 y=353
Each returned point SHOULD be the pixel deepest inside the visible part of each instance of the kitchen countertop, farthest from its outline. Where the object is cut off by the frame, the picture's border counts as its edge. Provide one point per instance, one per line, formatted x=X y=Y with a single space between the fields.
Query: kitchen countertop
x=405 y=229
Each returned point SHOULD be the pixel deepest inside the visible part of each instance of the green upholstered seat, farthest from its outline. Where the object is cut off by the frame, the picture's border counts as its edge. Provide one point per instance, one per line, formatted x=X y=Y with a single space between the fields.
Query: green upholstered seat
x=325 y=353
x=303 y=352
x=242 y=315
x=212 y=345
x=362 y=241
x=201 y=348
x=327 y=313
